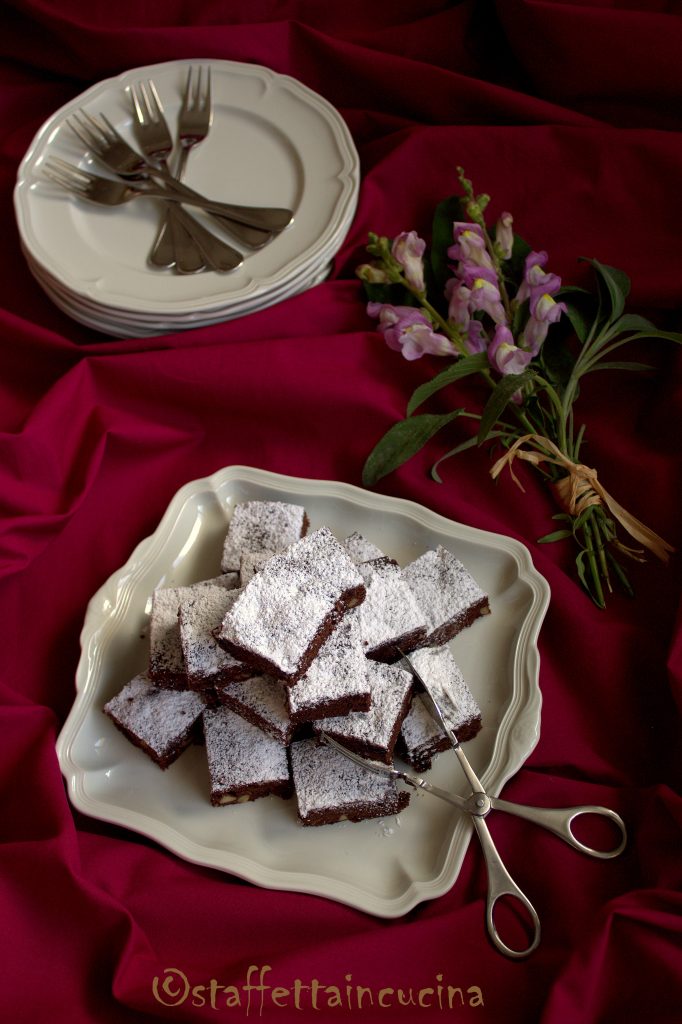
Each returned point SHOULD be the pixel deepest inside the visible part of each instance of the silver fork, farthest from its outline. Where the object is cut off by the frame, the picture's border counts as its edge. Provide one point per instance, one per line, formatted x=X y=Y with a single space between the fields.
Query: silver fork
x=100 y=136
x=156 y=142
x=108 y=192
x=174 y=245
x=194 y=122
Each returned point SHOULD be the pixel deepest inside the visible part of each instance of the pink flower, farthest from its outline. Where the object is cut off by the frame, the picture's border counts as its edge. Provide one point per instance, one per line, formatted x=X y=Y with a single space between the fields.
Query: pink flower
x=476 y=339
x=458 y=295
x=469 y=245
x=408 y=249
x=546 y=312
x=504 y=235
x=485 y=295
x=503 y=355
x=535 y=281
x=406 y=329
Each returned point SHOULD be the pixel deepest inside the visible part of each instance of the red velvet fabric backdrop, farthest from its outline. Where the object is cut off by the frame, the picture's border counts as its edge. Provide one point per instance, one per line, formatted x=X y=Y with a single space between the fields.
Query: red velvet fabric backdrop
x=570 y=115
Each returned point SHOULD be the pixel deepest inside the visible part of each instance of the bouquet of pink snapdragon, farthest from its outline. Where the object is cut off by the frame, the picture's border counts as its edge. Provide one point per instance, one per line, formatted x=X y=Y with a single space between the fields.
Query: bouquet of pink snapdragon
x=487 y=302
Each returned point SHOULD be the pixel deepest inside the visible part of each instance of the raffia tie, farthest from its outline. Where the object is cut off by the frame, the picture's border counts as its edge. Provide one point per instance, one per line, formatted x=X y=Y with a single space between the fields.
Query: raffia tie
x=579 y=489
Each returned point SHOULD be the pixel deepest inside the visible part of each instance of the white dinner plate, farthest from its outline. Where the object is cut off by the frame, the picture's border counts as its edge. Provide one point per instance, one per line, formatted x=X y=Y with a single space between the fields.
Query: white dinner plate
x=130 y=326
x=384 y=866
x=273 y=142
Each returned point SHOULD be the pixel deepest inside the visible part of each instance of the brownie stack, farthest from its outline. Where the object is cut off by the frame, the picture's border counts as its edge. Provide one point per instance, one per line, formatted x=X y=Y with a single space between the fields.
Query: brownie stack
x=298 y=634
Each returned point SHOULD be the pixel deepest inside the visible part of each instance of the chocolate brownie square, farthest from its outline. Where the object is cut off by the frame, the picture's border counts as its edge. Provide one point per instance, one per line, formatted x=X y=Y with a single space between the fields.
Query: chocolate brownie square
x=262 y=701
x=391 y=621
x=446 y=592
x=262 y=526
x=374 y=733
x=288 y=609
x=244 y=763
x=201 y=612
x=336 y=681
x=162 y=723
x=166 y=661
x=330 y=788
x=421 y=736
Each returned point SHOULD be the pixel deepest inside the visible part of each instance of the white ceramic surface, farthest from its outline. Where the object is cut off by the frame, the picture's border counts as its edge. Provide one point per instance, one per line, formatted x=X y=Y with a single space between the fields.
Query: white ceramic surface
x=384 y=867
x=273 y=142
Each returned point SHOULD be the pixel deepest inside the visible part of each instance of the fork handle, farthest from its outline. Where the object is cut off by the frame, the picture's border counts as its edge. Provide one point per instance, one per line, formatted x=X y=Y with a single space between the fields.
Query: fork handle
x=265 y=218
x=255 y=238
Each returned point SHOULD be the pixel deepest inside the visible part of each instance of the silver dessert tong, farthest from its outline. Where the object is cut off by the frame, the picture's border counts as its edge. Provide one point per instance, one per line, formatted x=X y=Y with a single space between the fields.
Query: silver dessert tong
x=478 y=804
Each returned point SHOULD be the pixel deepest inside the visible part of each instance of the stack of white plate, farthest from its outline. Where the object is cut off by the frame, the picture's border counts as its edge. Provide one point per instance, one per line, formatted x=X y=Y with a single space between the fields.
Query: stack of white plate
x=272 y=142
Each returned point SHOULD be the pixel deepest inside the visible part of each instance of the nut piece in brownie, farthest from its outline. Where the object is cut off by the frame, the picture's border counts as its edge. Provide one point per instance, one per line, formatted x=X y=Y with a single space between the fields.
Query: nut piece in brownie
x=390 y=617
x=262 y=526
x=162 y=723
x=374 y=733
x=166 y=661
x=288 y=609
x=447 y=593
x=360 y=549
x=262 y=701
x=201 y=612
x=244 y=763
x=421 y=737
x=329 y=787
x=336 y=681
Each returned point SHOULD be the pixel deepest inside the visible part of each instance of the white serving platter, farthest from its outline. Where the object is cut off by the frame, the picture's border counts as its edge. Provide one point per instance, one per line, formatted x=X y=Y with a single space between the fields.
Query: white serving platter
x=383 y=866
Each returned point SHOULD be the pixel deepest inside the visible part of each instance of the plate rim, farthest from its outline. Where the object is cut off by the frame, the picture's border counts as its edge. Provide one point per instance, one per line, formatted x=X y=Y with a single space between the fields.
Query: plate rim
x=501 y=767
x=317 y=253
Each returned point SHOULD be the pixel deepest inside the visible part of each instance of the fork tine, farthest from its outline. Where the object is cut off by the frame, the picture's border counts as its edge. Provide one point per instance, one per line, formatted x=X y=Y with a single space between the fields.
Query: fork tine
x=60 y=166
x=96 y=124
x=65 y=180
x=139 y=112
x=109 y=132
x=187 y=94
x=83 y=133
x=155 y=105
x=206 y=98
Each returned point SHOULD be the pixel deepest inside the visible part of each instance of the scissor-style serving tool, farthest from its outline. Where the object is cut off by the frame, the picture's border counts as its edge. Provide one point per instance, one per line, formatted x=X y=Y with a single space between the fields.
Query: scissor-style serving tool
x=478 y=804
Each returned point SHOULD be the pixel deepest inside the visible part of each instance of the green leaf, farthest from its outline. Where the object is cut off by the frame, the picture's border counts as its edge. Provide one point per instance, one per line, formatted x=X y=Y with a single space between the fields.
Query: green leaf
x=446 y=213
x=549 y=538
x=633 y=322
x=500 y=398
x=471 y=442
x=616 y=365
x=401 y=442
x=655 y=335
x=462 y=368
x=614 y=285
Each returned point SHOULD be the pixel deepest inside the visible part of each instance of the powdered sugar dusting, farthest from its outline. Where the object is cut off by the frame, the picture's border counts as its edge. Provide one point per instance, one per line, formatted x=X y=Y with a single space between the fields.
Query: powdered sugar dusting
x=283 y=607
x=241 y=755
x=446 y=683
x=262 y=526
x=166 y=656
x=201 y=613
x=390 y=686
x=338 y=671
x=325 y=780
x=389 y=615
x=443 y=587
x=360 y=549
x=263 y=698
x=159 y=718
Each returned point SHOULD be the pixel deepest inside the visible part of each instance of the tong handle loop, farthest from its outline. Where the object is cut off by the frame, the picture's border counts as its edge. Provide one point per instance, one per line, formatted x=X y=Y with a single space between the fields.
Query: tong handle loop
x=560 y=819
x=500 y=883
